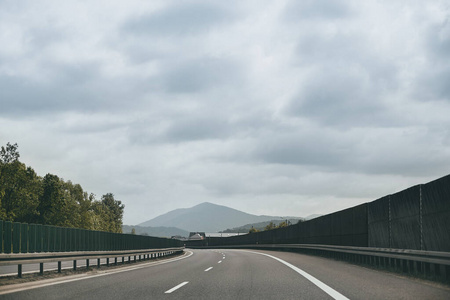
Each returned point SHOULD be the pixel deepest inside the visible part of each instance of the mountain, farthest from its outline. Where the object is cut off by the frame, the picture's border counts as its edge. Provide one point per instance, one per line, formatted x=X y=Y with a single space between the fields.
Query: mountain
x=156 y=231
x=310 y=217
x=207 y=217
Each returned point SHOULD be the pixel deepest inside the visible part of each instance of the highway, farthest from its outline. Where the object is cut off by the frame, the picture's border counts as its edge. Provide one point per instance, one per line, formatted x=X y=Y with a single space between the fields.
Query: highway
x=233 y=274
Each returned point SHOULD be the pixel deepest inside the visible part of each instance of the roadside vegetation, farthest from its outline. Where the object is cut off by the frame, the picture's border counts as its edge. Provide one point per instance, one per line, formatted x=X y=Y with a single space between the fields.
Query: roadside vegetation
x=262 y=226
x=50 y=200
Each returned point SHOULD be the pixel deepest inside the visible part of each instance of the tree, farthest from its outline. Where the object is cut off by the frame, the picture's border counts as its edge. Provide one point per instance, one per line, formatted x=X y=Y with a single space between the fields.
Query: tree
x=9 y=154
x=270 y=226
x=253 y=230
x=115 y=210
x=283 y=224
x=108 y=214
x=26 y=197
x=78 y=205
x=52 y=207
x=86 y=210
x=19 y=187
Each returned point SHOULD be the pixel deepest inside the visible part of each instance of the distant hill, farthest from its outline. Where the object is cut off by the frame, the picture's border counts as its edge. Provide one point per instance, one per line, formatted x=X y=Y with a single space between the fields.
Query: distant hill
x=310 y=217
x=159 y=231
x=207 y=217
x=259 y=226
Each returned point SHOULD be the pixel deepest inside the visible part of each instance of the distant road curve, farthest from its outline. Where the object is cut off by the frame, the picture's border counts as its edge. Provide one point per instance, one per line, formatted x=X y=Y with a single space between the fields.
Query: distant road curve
x=234 y=274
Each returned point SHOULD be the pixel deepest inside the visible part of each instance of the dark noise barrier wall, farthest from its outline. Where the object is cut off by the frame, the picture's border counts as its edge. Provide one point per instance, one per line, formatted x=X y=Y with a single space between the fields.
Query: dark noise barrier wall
x=29 y=238
x=416 y=218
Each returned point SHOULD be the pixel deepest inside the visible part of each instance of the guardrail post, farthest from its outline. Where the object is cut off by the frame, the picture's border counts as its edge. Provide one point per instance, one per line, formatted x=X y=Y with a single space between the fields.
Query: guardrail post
x=115 y=261
x=98 y=262
x=107 y=261
x=75 y=265
x=59 y=267
x=87 y=263
x=411 y=267
x=41 y=268
x=434 y=270
x=19 y=270
x=427 y=269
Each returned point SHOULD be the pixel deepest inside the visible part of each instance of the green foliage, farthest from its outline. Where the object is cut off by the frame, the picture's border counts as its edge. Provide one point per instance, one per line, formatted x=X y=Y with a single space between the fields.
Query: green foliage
x=270 y=226
x=260 y=226
x=108 y=214
x=283 y=224
x=19 y=190
x=9 y=154
x=253 y=230
x=25 y=197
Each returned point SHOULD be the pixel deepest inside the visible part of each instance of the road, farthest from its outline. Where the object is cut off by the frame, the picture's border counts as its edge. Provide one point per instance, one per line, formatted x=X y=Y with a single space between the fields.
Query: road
x=235 y=274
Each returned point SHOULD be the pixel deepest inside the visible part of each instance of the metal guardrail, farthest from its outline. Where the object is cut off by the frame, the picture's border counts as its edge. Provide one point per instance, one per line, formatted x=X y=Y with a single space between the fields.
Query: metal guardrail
x=41 y=258
x=429 y=264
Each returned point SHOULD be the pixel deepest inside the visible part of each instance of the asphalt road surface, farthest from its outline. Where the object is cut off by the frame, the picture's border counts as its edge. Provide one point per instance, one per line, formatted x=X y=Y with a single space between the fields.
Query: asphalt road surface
x=233 y=274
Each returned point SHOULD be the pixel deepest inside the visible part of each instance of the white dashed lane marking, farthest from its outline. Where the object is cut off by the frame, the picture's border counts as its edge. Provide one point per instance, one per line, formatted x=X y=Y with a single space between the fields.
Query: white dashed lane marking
x=176 y=287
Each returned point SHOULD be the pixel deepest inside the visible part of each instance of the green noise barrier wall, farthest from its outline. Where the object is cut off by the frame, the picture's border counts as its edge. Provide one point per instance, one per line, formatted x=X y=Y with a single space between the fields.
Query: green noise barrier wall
x=33 y=238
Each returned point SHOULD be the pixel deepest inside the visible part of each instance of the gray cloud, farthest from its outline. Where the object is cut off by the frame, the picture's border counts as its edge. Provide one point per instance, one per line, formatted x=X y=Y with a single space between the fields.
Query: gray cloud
x=201 y=74
x=198 y=129
x=338 y=96
x=321 y=9
x=303 y=148
x=179 y=20
x=306 y=104
x=433 y=82
x=67 y=88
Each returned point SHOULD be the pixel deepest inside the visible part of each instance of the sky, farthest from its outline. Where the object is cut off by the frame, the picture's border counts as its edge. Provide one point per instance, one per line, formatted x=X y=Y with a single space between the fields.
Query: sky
x=284 y=107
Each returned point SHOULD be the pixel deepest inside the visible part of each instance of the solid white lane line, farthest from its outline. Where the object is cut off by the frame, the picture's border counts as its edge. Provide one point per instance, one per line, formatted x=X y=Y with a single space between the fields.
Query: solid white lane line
x=176 y=287
x=330 y=291
x=38 y=284
x=208 y=269
x=219 y=261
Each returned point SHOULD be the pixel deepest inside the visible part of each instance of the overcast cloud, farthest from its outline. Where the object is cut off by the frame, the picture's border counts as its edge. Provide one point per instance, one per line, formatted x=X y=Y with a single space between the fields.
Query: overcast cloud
x=270 y=107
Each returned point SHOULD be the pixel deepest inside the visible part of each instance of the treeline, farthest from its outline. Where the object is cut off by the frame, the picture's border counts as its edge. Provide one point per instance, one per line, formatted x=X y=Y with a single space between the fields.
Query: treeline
x=28 y=198
x=262 y=226
x=273 y=225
